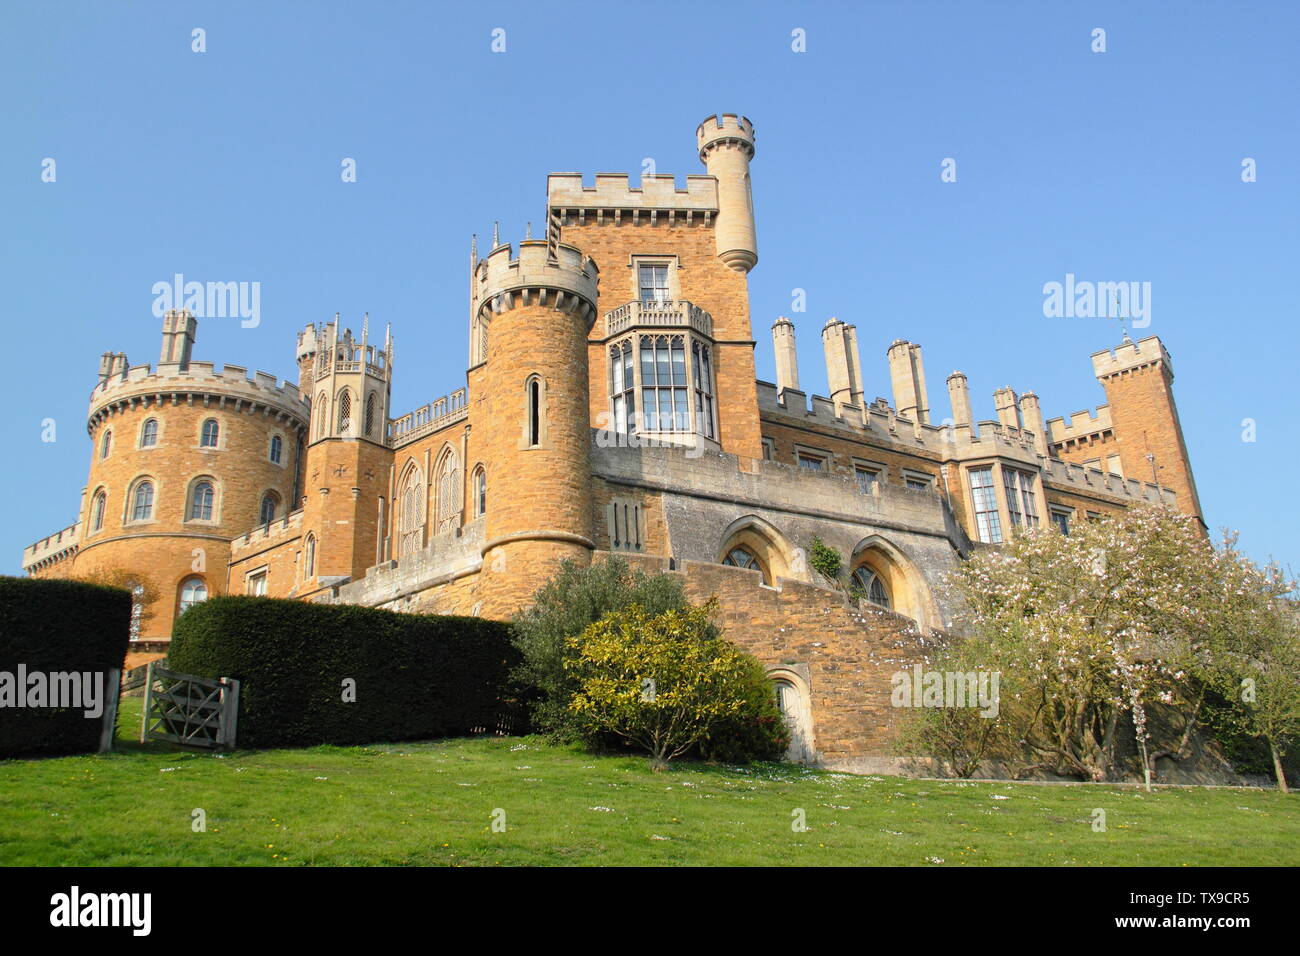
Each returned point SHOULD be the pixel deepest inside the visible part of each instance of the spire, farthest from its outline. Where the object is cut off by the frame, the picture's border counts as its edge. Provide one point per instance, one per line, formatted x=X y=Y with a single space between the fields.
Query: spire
x=496 y=233
x=365 y=329
x=528 y=232
x=473 y=250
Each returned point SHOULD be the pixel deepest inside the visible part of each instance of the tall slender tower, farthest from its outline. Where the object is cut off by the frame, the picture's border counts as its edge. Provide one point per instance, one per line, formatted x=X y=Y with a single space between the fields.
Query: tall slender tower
x=345 y=486
x=726 y=145
x=537 y=310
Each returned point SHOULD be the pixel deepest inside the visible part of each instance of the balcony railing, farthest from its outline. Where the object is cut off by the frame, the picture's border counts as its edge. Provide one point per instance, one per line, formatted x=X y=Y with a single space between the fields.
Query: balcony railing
x=660 y=314
x=429 y=418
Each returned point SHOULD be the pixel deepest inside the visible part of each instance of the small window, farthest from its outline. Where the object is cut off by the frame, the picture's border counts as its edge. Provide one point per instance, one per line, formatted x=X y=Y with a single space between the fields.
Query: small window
x=270 y=503
x=309 y=557
x=142 y=502
x=811 y=460
x=742 y=558
x=1061 y=520
x=193 y=591
x=534 y=412
x=345 y=411
x=201 y=500
x=653 y=283
x=211 y=432
x=918 y=481
x=868 y=479
x=149 y=433
x=277 y=449
x=97 y=511
x=370 y=414
x=868 y=584
x=480 y=492
x=255 y=584
x=106 y=446
x=769 y=449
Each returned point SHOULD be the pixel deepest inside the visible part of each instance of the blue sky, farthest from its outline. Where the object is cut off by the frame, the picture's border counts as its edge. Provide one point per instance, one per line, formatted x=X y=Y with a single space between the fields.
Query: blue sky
x=224 y=166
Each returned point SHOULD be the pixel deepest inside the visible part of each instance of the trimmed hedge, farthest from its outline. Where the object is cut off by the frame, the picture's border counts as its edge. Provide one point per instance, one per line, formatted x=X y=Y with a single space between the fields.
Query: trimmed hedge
x=52 y=625
x=416 y=675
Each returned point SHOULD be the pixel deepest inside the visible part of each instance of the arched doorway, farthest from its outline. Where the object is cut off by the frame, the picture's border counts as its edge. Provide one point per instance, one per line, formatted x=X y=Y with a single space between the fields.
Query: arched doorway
x=796 y=707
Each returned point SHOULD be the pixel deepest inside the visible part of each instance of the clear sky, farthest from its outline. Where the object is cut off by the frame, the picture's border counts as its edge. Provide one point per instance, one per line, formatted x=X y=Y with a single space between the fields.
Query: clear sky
x=225 y=166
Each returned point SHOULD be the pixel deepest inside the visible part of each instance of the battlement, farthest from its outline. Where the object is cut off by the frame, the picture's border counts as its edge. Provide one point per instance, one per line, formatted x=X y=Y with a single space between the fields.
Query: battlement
x=1132 y=356
x=1093 y=481
x=429 y=418
x=727 y=128
x=614 y=195
x=1078 y=425
x=52 y=548
x=569 y=272
x=287 y=527
x=140 y=383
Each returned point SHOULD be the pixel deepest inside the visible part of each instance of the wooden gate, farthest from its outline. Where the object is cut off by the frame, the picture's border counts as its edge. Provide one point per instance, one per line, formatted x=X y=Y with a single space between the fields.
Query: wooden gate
x=188 y=710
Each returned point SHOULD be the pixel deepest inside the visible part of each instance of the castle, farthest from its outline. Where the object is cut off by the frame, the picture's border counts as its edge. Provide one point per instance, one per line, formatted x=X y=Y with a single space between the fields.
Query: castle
x=611 y=406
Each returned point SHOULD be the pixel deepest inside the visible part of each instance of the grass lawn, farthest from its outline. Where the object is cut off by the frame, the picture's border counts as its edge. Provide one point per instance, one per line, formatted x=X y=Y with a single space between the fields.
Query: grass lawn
x=432 y=803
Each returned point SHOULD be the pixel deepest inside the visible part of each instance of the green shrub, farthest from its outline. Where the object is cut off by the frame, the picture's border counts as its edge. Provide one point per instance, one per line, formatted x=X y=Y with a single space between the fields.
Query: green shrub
x=574 y=599
x=416 y=676
x=825 y=559
x=52 y=626
x=667 y=684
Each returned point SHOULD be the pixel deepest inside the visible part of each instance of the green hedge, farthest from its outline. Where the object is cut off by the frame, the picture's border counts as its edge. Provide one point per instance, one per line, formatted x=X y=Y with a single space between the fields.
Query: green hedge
x=416 y=675
x=58 y=626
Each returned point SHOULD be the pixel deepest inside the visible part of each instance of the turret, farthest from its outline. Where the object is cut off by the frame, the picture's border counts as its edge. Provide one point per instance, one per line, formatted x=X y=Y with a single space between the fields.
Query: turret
x=1031 y=418
x=787 y=361
x=907 y=375
x=726 y=145
x=179 y=329
x=843 y=371
x=537 y=308
x=959 y=397
x=1004 y=402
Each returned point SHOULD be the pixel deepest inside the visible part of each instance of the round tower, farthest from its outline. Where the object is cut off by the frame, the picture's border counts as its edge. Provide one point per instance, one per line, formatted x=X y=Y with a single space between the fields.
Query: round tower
x=184 y=459
x=537 y=310
x=726 y=145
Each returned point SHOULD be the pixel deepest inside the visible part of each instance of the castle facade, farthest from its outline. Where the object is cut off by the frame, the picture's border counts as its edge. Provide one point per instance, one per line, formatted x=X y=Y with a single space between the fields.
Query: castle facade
x=611 y=406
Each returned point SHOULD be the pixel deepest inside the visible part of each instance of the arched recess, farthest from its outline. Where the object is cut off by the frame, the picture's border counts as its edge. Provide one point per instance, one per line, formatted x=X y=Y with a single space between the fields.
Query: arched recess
x=795 y=700
x=447 y=486
x=751 y=534
x=410 y=509
x=908 y=592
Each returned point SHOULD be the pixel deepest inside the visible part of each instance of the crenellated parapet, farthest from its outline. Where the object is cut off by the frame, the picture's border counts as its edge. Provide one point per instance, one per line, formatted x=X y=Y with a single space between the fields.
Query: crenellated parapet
x=557 y=277
x=264 y=536
x=52 y=549
x=1080 y=426
x=197 y=383
x=614 y=198
x=1131 y=357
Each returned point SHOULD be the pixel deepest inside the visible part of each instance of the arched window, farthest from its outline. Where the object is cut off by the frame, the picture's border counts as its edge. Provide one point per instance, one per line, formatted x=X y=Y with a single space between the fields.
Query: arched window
x=270 y=504
x=370 y=414
x=309 y=557
x=449 y=493
x=149 y=433
x=277 y=449
x=868 y=584
x=106 y=446
x=533 y=425
x=742 y=558
x=480 y=491
x=142 y=502
x=211 y=432
x=345 y=411
x=193 y=590
x=322 y=414
x=202 y=497
x=97 y=509
x=410 y=515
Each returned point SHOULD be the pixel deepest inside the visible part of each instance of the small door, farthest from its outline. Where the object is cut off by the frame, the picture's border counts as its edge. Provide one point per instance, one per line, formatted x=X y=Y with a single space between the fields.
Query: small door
x=796 y=712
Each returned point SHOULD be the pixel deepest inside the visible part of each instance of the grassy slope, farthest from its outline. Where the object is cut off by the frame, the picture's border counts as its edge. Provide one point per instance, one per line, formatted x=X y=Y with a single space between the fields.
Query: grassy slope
x=431 y=803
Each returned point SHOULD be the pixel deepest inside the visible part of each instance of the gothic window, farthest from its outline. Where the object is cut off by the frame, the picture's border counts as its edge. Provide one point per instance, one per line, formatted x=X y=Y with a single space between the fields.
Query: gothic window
x=106 y=446
x=868 y=584
x=149 y=433
x=535 y=418
x=623 y=387
x=653 y=282
x=742 y=558
x=309 y=558
x=208 y=436
x=410 y=514
x=277 y=449
x=201 y=501
x=480 y=492
x=663 y=383
x=345 y=411
x=142 y=502
x=270 y=504
x=448 y=487
x=987 y=520
x=322 y=414
x=703 y=374
x=193 y=591
x=97 y=511
x=370 y=414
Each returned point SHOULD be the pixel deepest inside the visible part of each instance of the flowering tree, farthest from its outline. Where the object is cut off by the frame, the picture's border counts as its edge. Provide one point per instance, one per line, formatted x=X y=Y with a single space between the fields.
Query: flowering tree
x=1097 y=625
x=665 y=681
